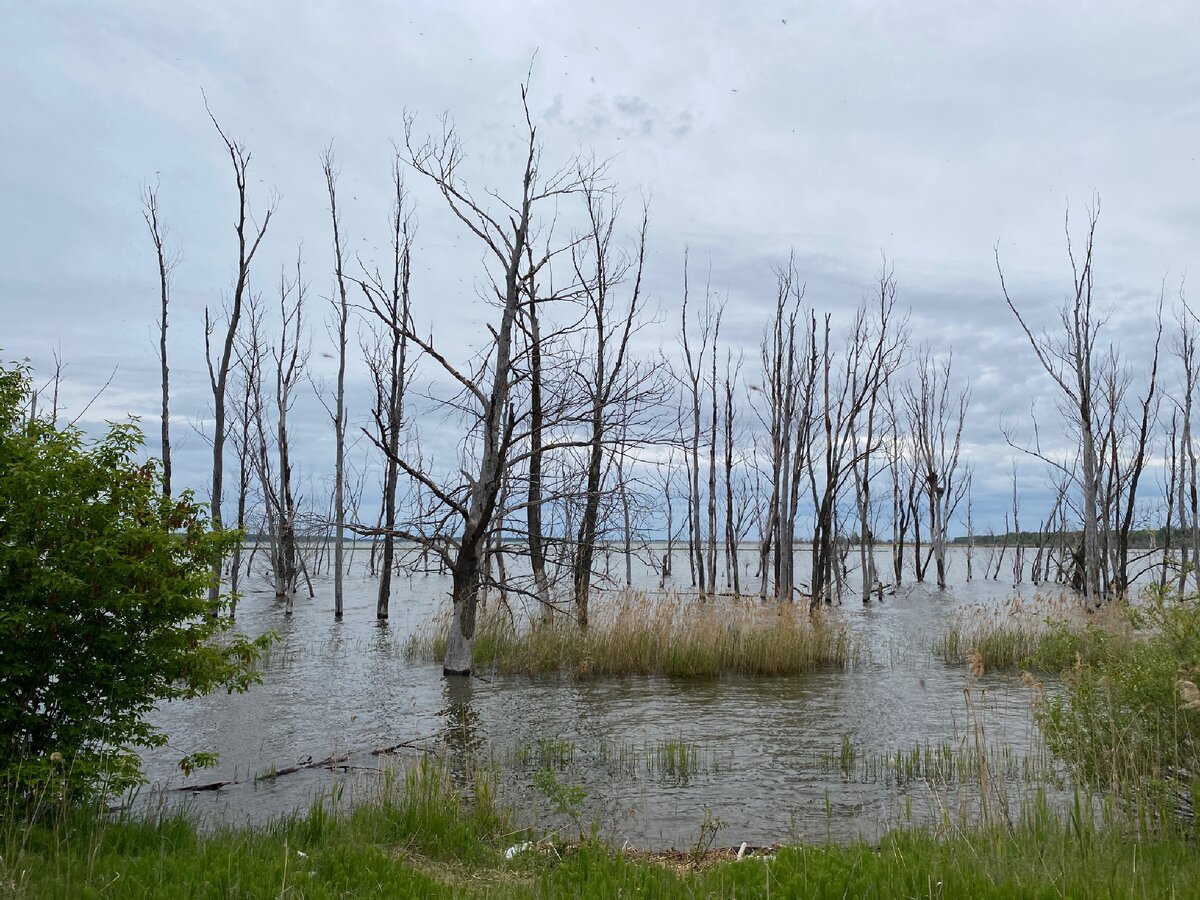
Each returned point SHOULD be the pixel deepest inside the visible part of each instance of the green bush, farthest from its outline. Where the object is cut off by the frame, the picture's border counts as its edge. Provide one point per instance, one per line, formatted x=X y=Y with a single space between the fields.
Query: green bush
x=103 y=607
x=1123 y=723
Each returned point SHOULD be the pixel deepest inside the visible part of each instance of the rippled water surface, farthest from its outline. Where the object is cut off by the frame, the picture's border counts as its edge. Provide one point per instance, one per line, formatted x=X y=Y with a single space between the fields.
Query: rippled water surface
x=764 y=755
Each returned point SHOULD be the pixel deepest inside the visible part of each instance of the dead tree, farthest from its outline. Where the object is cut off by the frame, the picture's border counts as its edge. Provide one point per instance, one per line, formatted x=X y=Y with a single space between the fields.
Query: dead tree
x=1068 y=360
x=342 y=316
x=167 y=261
x=242 y=437
x=537 y=425
x=603 y=375
x=486 y=393
x=692 y=380
x=735 y=520
x=899 y=459
x=1187 y=492
x=714 y=436
x=1113 y=445
x=273 y=453
x=937 y=417
x=789 y=375
x=1125 y=448
x=389 y=300
x=249 y=238
x=844 y=391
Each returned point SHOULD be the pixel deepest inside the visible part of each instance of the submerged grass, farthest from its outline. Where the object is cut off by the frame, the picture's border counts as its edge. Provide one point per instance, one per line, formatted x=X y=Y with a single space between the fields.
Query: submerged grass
x=636 y=635
x=425 y=838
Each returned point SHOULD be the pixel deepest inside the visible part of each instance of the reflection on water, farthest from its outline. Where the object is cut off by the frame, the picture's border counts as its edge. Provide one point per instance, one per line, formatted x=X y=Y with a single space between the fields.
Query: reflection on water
x=346 y=687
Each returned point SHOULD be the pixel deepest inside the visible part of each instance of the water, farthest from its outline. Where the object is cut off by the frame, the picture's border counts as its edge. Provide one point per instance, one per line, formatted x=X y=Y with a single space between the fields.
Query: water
x=762 y=747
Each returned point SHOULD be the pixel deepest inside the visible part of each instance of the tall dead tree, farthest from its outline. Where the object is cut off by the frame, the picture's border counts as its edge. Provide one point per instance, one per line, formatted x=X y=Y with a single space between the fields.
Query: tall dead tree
x=1069 y=359
x=1188 y=493
x=342 y=317
x=789 y=374
x=166 y=263
x=937 y=416
x=288 y=357
x=537 y=424
x=1126 y=437
x=845 y=391
x=486 y=393
x=601 y=268
x=249 y=238
x=390 y=301
x=693 y=381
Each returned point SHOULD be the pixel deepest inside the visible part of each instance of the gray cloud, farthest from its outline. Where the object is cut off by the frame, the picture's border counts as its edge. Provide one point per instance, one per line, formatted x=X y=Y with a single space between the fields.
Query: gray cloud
x=932 y=133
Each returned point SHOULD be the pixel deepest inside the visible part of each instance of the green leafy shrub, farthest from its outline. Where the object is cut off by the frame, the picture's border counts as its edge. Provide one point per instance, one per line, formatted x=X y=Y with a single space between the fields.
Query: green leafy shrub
x=1124 y=723
x=103 y=607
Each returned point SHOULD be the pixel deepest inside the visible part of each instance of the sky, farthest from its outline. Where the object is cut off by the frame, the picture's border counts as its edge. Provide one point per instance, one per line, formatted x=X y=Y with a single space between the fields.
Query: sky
x=937 y=136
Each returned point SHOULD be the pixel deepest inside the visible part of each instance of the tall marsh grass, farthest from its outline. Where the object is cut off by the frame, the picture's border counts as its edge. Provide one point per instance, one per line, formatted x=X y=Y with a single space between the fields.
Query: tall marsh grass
x=1047 y=635
x=636 y=635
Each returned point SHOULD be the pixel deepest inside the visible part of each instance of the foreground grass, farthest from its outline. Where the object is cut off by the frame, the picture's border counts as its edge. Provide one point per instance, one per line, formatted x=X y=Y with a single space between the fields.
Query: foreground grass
x=423 y=839
x=634 y=635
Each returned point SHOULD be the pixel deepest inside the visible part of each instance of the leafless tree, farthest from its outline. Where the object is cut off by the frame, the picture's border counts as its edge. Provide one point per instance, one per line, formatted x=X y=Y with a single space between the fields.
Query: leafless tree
x=789 y=375
x=167 y=261
x=845 y=389
x=1091 y=387
x=288 y=357
x=602 y=268
x=937 y=416
x=693 y=382
x=249 y=237
x=486 y=393
x=390 y=302
x=342 y=317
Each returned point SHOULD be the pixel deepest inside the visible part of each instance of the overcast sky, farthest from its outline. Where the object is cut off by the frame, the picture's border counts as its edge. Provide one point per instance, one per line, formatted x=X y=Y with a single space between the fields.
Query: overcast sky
x=931 y=134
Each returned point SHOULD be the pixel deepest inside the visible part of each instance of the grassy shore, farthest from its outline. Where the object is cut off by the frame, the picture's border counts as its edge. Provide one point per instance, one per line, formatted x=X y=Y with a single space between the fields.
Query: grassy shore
x=636 y=635
x=423 y=838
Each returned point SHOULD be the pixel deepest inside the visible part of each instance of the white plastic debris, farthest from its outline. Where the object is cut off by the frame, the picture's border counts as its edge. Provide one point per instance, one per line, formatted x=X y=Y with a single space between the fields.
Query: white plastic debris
x=516 y=849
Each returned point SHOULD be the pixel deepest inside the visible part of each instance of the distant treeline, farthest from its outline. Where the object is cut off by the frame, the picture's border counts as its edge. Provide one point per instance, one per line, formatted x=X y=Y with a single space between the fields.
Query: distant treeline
x=1143 y=538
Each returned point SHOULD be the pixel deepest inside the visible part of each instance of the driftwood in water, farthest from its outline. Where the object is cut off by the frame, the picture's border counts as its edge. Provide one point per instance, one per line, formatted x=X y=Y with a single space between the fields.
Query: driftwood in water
x=328 y=762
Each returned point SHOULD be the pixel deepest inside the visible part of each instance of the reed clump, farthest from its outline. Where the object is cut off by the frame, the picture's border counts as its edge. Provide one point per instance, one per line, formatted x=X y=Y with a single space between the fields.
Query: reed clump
x=1046 y=635
x=636 y=635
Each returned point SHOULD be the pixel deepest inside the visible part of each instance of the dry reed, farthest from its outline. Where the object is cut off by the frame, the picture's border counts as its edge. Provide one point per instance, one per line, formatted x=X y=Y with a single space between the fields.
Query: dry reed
x=632 y=634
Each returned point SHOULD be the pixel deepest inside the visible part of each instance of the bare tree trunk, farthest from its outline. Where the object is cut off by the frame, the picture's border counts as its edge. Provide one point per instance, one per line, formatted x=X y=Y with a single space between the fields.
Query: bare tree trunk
x=390 y=302
x=339 y=416
x=1070 y=365
x=249 y=237
x=731 y=537
x=537 y=552
x=599 y=271
x=712 y=463
x=165 y=264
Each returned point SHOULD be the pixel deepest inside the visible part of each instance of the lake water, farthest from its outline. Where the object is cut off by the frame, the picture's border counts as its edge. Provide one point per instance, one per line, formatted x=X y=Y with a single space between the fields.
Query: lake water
x=765 y=755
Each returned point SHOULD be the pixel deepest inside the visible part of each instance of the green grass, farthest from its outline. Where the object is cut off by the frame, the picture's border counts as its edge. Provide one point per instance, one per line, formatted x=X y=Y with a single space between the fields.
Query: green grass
x=1041 y=635
x=633 y=635
x=424 y=838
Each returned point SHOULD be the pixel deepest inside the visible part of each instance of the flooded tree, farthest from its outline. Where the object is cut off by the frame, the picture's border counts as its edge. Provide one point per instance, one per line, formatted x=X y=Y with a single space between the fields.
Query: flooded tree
x=389 y=300
x=249 y=237
x=937 y=415
x=692 y=381
x=1113 y=446
x=338 y=412
x=610 y=396
x=789 y=373
x=486 y=397
x=845 y=387
x=287 y=357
